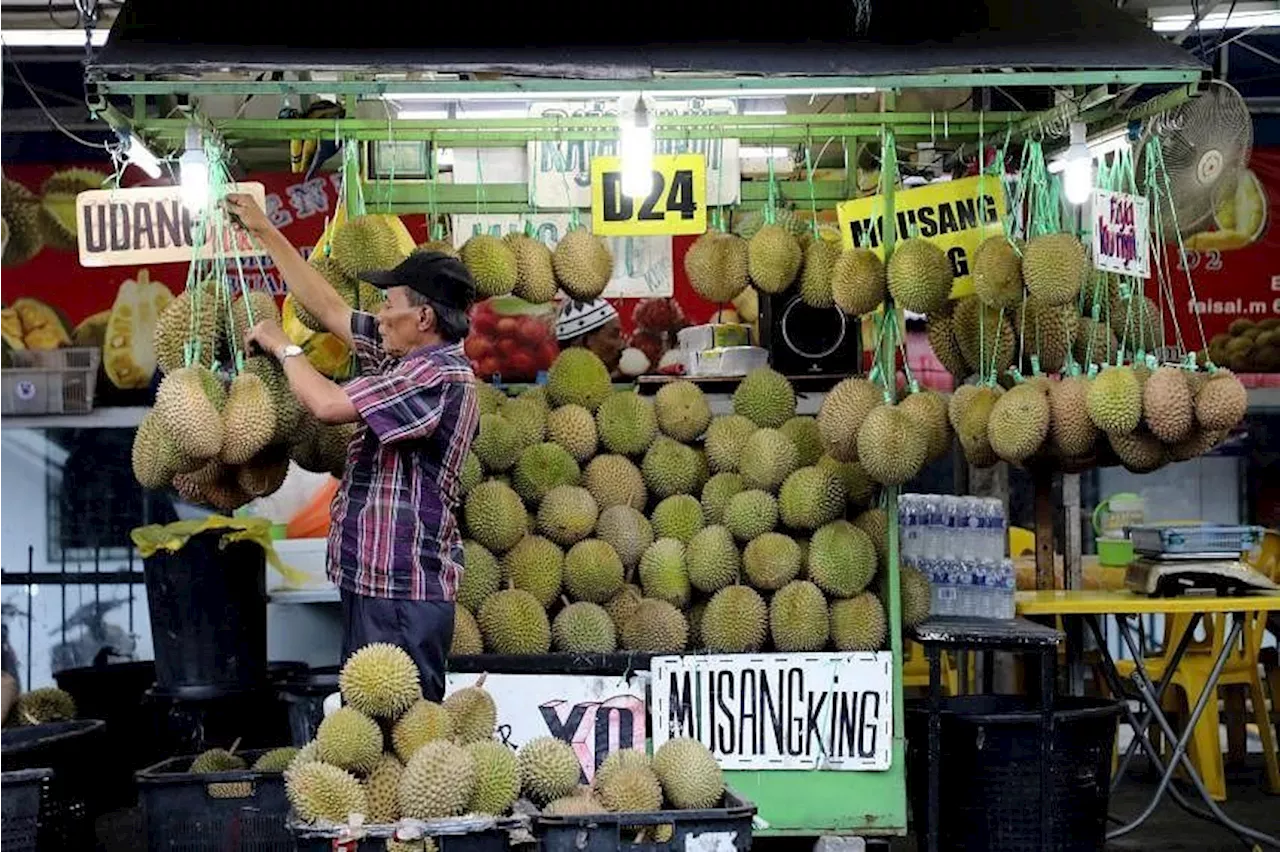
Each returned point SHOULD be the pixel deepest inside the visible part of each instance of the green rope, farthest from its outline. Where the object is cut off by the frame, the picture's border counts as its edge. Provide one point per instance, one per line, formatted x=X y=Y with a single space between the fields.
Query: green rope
x=771 y=205
x=813 y=195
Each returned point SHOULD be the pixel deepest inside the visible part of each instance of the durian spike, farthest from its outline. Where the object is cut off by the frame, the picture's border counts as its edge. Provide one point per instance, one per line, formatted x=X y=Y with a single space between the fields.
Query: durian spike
x=479 y=684
x=564 y=599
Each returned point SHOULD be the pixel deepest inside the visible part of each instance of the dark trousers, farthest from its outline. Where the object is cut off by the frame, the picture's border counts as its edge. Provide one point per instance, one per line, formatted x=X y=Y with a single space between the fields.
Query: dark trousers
x=422 y=628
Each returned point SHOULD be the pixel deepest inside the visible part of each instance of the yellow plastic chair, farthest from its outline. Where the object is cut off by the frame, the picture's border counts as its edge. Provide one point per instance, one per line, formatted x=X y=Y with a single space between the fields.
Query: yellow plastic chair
x=915 y=669
x=1021 y=541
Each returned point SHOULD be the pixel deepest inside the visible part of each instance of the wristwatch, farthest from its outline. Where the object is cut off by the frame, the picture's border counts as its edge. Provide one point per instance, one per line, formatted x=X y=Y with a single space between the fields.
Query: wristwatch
x=288 y=351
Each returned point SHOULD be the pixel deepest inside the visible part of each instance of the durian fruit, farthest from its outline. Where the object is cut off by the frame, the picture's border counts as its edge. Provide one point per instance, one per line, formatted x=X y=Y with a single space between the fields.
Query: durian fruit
x=920 y=276
x=858 y=623
x=250 y=308
x=567 y=514
x=798 y=618
x=213 y=485
x=284 y=403
x=1054 y=266
x=349 y=739
x=1115 y=400
x=492 y=264
x=494 y=516
x=1199 y=442
x=189 y=405
x=655 y=627
x=382 y=790
x=770 y=561
x=535 y=565
x=174 y=327
x=1137 y=321
x=437 y=782
x=682 y=410
x=858 y=281
x=815 y=278
x=20 y=210
x=481 y=576
x=215 y=760
x=1167 y=405
x=940 y=332
x=859 y=490
x=810 y=497
x=973 y=417
x=583 y=265
x=842 y=559
x=627 y=531
x=915 y=595
x=529 y=417
x=1019 y=423
x=1048 y=331
x=497 y=443
x=929 y=409
x=489 y=398
x=724 y=441
x=467 y=640
x=892 y=447
x=735 y=621
x=997 y=272
x=497 y=783
x=843 y=411
x=663 y=574
x=623 y=605
x=473 y=712
x=773 y=259
x=716 y=264
x=584 y=628
x=1221 y=401
x=541 y=468
x=320 y=791
x=573 y=427
x=421 y=844
x=535 y=279
x=549 y=769
x=305 y=755
x=1071 y=431
x=627 y=423
x=424 y=722
x=344 y=285
x=249 y=418
x=592 y=571
x=625 y=758
x=716 y=494
x=575 y=805
x=370 y=242
x=514 y=622
x=381 y=680
x=155 y=457
x=578 y=377
x=678 y=516
x=765 y=397
x=985 y=337
x=615 y=481
x=1139 y=451
x=670 y=467
x=58 y=204
x=689 y=774
x=630 y=789
x=768 y=458
x=275 y=760
x=1094 y=342
x=711 y=559
x=750 y=513
x=804 y=433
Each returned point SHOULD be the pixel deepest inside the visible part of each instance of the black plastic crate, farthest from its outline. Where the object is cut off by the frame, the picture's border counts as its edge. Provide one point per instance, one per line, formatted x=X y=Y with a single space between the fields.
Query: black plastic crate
x=462 y=834
x=609 y=832
x=75 y=752
x=20 y=796
x=211 y=812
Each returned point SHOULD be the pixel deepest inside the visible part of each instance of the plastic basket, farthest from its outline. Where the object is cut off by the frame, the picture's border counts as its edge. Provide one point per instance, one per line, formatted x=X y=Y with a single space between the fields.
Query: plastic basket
x=189 y=811
x=20 y=800
x=609 y=832
x=463 y=834
x=75 y=751
x=50 y=381
x=1185 y=540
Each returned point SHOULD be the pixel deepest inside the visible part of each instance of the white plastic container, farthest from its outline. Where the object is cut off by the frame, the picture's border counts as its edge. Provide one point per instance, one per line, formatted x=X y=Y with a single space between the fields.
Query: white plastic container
x=306 y=555
x=698 y=338
x=729 y=361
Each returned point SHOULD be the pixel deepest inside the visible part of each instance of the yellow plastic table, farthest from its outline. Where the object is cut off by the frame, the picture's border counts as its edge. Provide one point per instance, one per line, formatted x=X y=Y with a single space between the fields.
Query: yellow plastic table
x=1091 y=605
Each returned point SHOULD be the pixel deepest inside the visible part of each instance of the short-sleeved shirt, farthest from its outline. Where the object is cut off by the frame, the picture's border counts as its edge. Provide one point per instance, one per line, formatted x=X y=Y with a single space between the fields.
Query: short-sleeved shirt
x=394 y=531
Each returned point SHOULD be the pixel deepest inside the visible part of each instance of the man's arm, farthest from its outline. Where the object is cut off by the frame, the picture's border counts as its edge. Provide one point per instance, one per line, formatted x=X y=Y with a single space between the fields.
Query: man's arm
x=306 y=283
x=320 y=395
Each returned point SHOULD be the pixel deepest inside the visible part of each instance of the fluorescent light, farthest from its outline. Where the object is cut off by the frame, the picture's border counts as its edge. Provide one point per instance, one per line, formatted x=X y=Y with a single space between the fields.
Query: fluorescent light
x=752 y=152
x=569 y=94
x=51 y=37
x=763 y=106
x=635 y=144
x=1099 y=147
x=430 y=114
x=1077 y=174
x=137 y=153
x=1240 y=19
x=193 y=173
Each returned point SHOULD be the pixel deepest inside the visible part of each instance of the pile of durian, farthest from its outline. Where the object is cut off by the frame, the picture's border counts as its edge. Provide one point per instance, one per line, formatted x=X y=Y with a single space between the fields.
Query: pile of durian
x=597 y=519
x=390 y=754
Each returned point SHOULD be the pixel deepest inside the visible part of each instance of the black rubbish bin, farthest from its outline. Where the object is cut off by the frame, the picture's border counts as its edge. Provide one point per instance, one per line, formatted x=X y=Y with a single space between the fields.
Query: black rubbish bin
x=208 y=605
x=73 y=797
x=990 y=772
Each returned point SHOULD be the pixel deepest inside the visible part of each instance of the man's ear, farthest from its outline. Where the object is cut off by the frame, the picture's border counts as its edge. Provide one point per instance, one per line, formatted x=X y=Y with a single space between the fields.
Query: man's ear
x=427 y=319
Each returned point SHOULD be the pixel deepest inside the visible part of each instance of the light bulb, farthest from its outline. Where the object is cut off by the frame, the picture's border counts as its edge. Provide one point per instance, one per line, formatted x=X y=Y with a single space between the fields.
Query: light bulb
x=193 y=176
x=636 y=148
x=137 y=153
x=1077 y=171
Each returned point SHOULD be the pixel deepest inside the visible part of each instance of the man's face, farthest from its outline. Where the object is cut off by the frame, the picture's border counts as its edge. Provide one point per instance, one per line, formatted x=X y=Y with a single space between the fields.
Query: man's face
x=606 y=343
x=401 y=324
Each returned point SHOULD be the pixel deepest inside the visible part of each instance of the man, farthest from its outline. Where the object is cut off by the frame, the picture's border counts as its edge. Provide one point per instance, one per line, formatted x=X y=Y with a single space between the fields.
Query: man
x=592 y=325
x=395 y=552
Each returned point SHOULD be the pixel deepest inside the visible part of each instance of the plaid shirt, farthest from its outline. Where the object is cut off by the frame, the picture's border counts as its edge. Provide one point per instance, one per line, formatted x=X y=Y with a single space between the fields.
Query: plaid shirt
x=394 y=532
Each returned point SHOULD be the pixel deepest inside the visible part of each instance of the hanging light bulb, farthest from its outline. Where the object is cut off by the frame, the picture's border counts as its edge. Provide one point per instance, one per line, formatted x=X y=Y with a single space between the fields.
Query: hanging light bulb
x=636 y=148
x=1077 y=171
x=137 y=153
x=193 y=173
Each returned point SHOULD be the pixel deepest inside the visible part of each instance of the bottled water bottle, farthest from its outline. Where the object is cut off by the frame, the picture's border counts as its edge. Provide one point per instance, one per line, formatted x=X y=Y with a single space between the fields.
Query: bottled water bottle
x=931 y=519
x=910 y=529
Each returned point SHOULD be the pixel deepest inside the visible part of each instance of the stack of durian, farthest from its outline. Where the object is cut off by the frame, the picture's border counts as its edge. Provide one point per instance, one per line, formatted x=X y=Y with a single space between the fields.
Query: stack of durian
x=390 y=754
x=598 y=520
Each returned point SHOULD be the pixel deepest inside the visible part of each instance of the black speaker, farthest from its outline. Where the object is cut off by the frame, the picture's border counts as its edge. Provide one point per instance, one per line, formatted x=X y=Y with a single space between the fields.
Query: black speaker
x=807 y=341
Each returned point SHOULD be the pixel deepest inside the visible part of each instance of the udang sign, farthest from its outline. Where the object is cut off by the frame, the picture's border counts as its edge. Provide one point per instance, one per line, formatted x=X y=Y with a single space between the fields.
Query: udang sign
x=954 y=215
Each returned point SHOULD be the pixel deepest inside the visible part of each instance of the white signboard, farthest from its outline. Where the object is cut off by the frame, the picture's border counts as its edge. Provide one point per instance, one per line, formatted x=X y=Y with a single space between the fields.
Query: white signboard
x=1121 y=240
x=595 y=715
x=150 y=224
x=779 y=711
x=642 y=266
x=560 y=172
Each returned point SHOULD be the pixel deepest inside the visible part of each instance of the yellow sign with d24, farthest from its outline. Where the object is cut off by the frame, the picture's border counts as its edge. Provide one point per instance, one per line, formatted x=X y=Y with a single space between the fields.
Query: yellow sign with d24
x=677 y=203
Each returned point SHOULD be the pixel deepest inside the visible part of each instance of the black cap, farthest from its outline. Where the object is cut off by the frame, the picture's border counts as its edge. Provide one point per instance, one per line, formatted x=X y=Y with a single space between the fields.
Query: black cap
x=441 y=278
